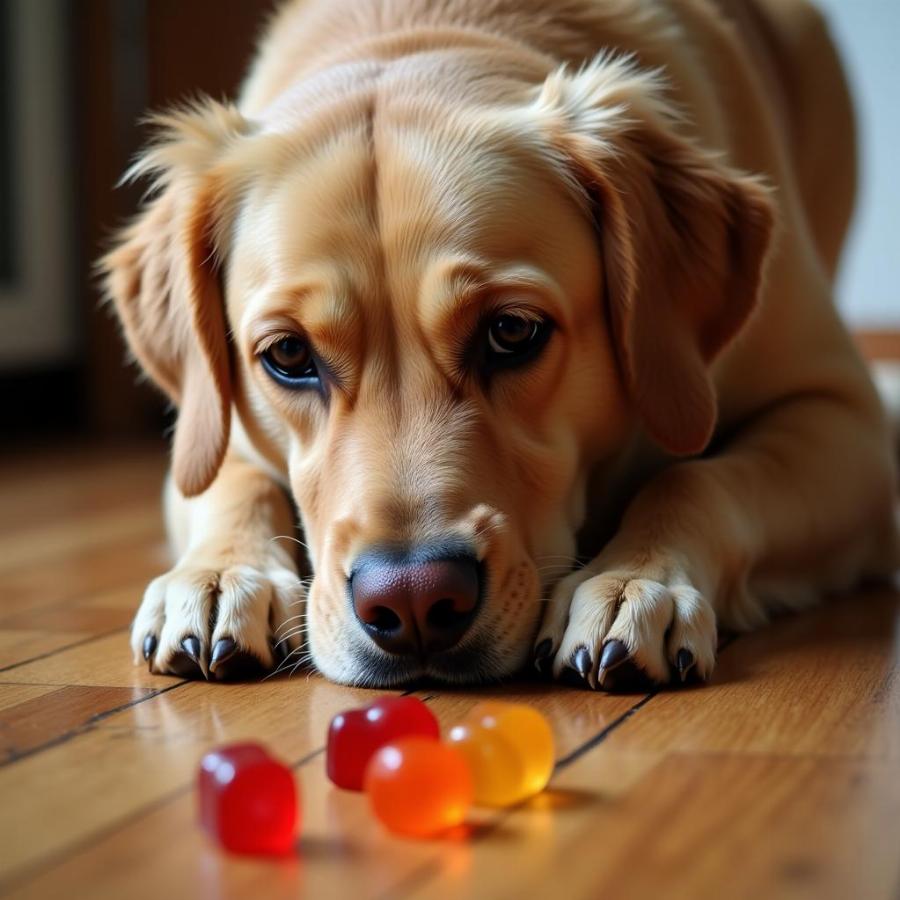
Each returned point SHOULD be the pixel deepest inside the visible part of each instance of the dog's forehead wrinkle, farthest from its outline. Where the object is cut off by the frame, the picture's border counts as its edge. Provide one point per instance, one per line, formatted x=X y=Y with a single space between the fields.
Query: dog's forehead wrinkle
x=441 y=193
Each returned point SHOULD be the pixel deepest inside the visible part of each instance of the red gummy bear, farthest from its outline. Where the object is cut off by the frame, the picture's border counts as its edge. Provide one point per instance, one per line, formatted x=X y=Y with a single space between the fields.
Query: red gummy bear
x=355 y=735
x=247 y=800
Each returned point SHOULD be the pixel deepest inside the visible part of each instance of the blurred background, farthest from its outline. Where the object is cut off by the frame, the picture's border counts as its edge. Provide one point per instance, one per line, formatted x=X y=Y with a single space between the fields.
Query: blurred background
x=77 y=75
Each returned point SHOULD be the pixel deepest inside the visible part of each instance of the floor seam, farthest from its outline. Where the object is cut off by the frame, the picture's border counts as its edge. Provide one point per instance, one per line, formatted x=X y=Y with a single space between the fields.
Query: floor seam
x=88 y=725
x=63 y=649
x=603 y=734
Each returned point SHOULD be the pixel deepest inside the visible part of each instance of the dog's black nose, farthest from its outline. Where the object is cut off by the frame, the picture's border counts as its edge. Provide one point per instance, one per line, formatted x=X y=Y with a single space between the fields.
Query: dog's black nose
x=415 y=606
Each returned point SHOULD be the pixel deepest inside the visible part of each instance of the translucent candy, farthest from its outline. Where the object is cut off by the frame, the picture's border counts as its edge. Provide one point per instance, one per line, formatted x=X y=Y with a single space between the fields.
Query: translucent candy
x=418 y=786
x=526 y=730
x=497 y=766
x=248 y=800
x=356 y=734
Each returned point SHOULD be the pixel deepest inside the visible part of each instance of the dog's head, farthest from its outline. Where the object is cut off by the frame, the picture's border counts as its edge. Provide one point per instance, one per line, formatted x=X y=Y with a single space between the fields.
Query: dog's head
x=436 y=316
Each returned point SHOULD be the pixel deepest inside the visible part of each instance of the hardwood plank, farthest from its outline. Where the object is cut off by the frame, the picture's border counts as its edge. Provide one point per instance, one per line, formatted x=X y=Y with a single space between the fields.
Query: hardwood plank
x=824 y=683
x=14 y=694
x=61 y=543
x=41 y=720
x=66 y=617
x=84 y=465
x=103 y=661
x=23 y=644
x=108 y=490
x=123 y=599
x=98 y=570
x=64 y=624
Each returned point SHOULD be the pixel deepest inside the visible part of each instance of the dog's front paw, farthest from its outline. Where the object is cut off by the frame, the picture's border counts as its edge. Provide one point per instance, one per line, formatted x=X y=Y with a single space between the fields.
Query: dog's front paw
x=226 y=623
x=621 y=631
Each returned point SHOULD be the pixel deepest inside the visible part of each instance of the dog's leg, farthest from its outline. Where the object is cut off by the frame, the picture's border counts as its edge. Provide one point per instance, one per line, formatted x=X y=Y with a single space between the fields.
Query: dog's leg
x=229 y=604
x=801 y=502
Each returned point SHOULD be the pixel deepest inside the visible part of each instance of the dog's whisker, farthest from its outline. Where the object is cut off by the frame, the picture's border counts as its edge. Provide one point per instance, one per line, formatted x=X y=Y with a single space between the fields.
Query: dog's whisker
x=288 y=537
x=289 y=635
x=287 y=662
x=301 y=628
x=298 y=628
x=301 y=616
x=300 y=662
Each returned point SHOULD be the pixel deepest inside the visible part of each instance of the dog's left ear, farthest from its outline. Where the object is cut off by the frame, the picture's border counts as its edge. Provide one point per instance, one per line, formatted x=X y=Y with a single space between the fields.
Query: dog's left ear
x=683 y=237
x=162 y=277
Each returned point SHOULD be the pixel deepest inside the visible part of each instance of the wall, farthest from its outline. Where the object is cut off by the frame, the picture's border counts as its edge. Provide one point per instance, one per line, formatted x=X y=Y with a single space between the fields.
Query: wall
x=868 y=34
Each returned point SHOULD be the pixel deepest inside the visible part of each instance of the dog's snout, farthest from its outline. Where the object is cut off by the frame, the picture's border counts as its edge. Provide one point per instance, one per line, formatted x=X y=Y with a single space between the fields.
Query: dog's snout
x=414 y=606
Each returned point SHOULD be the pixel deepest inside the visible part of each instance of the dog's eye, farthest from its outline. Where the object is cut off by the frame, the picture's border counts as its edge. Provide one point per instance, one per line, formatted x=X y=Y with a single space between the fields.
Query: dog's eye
x=514 y=338
x=291 y=363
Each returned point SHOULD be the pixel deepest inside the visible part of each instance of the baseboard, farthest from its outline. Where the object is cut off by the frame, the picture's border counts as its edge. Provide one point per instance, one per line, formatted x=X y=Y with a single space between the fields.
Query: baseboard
x=879 y=344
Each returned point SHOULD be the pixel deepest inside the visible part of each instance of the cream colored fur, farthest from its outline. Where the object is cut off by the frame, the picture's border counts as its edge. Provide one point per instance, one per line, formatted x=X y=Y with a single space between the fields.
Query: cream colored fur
x=669 y=180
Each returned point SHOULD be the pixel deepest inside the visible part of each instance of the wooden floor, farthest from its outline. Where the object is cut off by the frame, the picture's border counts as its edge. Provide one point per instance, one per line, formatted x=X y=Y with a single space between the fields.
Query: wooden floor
x=780 y=779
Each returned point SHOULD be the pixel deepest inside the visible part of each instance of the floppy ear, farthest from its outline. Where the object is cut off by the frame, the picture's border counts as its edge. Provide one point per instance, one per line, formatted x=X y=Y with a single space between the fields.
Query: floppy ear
x=684 y=240
x=162 y=278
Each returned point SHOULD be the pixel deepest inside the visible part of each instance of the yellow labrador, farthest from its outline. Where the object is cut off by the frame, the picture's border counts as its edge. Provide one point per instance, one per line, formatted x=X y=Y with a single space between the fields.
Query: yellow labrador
x=525 y=308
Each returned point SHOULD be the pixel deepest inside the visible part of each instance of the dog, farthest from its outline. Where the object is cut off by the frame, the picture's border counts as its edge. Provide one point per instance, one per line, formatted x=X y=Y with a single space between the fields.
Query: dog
x=523 y=311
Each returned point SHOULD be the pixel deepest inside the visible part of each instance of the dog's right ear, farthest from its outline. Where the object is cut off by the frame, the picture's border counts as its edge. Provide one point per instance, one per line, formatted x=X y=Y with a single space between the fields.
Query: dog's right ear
x=162 y=277
x=684 y=237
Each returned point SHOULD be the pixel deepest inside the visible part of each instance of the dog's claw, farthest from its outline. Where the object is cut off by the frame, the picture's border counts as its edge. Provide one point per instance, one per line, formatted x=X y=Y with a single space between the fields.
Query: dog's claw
x=584 y=665
x=684 y=662
x=578 y=670
x=223 y=651
x=542 y=656
x=614 y=654
x=191 y=646
x=149 y=647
